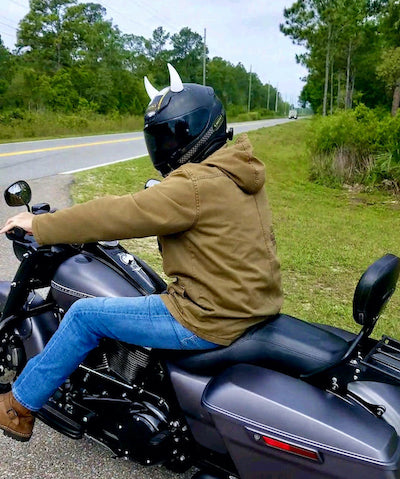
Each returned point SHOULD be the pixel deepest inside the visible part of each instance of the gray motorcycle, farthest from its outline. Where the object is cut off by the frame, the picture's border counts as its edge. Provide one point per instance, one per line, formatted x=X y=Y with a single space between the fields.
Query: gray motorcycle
x=289 y=399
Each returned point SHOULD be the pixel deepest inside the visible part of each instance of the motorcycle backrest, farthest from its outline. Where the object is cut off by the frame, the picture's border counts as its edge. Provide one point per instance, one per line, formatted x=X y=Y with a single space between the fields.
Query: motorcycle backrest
x=374 y=289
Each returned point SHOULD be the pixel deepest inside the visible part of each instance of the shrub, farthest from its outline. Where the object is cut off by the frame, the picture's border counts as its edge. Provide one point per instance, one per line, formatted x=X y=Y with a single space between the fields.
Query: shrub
x=238 y=115
x=249 y=116
x=357 y=146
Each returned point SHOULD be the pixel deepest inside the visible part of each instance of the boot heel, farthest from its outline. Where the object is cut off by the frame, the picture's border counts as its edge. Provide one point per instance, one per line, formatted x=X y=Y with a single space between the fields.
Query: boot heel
x=16 y=437
x=16 y=421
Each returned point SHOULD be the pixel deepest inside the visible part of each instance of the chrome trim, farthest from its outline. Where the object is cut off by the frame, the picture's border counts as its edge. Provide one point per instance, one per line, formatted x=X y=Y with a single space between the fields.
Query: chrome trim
x=69 y=291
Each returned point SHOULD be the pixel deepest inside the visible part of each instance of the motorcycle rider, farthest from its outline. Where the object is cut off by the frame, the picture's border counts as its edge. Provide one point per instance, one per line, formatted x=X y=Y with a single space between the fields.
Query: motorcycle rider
x=211 y=216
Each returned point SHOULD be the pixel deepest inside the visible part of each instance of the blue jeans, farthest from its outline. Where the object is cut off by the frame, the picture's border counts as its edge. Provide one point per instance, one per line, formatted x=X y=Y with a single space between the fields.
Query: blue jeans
x=144 y=321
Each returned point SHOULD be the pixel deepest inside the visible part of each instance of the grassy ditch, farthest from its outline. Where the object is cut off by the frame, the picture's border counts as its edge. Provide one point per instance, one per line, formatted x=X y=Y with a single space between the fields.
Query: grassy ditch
x=326 y=237
x=22 y=125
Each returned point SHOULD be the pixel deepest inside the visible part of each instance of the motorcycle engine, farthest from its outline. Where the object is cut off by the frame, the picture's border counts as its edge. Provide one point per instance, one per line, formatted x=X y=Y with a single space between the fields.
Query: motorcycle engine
x=121 y=397
x=125 y=361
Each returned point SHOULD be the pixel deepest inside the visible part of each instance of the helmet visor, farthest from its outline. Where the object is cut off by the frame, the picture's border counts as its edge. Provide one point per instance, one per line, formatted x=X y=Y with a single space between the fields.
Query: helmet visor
x=166 y=140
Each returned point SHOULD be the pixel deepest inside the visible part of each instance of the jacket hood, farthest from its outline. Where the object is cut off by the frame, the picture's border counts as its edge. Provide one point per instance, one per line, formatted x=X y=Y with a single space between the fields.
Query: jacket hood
x=237 y=162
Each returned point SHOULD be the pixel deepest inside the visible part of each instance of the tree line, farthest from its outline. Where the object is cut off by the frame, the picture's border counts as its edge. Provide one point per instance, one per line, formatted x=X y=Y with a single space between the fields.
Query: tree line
x=352 y=52
x=69 y=57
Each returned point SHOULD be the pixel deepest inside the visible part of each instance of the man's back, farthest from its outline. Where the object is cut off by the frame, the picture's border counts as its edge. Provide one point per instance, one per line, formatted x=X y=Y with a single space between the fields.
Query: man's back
x=225 y=264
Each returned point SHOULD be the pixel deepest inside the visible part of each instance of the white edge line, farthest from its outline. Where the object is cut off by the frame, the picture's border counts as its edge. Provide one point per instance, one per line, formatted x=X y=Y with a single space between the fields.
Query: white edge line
x=98 y=166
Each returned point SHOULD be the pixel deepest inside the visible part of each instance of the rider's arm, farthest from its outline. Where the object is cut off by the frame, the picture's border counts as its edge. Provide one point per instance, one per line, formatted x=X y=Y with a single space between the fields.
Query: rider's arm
x=164 y=209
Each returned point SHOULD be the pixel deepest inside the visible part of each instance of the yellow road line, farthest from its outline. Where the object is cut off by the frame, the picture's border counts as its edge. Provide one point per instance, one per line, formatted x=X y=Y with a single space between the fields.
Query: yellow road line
x=65 y=147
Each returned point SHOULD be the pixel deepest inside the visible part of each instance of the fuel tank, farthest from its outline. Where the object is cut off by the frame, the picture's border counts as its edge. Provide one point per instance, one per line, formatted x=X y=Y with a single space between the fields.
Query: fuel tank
x=84 y=276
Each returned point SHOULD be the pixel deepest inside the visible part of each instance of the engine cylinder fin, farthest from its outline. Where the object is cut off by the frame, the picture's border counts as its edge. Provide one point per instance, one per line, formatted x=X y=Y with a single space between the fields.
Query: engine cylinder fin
x=127 y=362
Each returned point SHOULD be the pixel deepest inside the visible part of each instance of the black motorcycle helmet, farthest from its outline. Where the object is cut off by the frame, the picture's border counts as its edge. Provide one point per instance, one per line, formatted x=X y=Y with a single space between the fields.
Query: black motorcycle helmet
x=183 y=123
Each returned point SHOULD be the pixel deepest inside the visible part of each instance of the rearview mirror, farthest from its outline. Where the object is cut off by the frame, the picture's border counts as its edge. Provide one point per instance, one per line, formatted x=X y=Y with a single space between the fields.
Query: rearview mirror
x=151 y=182
x=18 y=194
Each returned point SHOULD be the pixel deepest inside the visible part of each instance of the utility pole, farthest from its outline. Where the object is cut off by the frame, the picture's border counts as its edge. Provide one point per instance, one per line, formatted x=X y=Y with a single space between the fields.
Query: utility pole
x=249 y=102
x=268 y=96
x=276 y=99
x=204 y=58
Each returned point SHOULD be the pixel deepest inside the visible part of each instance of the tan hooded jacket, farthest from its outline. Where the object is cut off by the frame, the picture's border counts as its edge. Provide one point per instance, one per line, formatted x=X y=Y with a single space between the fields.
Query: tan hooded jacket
x=214 y=225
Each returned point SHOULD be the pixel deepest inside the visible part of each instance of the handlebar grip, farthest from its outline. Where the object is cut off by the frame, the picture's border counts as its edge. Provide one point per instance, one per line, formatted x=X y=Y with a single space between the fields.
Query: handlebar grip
x=16 y=233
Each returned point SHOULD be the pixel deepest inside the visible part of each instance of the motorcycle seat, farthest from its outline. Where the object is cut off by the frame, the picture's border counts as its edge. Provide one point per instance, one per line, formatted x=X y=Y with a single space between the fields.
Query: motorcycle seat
x=282 y=343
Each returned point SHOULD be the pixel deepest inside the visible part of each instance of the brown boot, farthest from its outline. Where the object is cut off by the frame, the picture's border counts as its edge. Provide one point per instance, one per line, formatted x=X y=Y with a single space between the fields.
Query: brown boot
x=15 y=420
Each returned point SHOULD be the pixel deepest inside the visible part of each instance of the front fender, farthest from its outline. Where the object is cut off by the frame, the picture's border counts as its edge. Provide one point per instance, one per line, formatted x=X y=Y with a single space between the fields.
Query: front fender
x=34 y=331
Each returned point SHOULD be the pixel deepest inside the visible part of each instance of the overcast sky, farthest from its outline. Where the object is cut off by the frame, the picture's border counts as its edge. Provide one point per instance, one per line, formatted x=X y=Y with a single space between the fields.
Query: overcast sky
x=245 y=31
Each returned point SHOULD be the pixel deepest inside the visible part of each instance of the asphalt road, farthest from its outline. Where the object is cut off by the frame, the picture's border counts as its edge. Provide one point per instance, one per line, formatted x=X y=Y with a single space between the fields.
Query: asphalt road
x=49 y=454
x=42 y=158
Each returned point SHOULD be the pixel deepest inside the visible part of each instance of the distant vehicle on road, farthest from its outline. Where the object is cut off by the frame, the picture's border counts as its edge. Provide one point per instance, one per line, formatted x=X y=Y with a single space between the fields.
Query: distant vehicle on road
x=292 y=114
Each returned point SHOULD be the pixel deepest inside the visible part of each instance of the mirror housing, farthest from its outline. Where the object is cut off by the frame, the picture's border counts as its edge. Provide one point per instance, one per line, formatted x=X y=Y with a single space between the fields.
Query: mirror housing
x=151 y=182
x=18 y=194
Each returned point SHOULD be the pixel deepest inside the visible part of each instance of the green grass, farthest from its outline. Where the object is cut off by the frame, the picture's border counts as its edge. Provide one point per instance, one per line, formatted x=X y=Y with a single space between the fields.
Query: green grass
x=326 y=237
x=18 y=126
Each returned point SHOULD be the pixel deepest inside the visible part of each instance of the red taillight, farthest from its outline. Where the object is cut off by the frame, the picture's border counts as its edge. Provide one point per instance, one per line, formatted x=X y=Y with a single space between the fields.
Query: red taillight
x=291 y=448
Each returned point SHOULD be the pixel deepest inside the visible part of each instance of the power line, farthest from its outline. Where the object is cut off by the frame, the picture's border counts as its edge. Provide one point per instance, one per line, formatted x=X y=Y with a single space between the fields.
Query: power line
x=144 y=5
x=8 y=25
x=17 y=3
x=123 y=15
x=7 y=34
x=135 y=22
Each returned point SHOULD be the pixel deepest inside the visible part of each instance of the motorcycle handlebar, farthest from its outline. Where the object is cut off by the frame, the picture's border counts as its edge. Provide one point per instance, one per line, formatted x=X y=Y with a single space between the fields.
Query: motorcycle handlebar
x=16 y=234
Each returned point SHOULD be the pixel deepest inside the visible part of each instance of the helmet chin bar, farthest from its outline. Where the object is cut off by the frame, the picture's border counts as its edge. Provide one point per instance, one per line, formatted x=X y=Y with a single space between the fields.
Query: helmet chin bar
x=213 y=147
x=165 y=170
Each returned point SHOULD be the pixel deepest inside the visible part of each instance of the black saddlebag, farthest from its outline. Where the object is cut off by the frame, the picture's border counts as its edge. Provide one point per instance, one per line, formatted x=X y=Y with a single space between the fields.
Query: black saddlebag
x=274 y=425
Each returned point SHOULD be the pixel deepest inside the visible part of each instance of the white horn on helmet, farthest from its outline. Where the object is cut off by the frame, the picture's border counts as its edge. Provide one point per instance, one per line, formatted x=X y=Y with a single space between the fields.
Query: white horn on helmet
x=176 y=82
x=151 y=91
